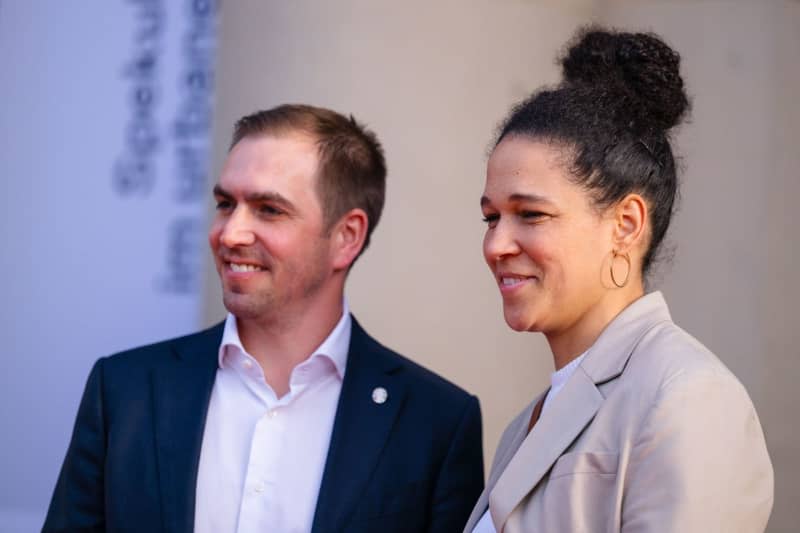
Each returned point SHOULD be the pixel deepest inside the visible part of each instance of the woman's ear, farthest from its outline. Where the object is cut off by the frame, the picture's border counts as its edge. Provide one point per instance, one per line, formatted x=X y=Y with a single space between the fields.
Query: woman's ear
x=630 y=222
x=347 y=238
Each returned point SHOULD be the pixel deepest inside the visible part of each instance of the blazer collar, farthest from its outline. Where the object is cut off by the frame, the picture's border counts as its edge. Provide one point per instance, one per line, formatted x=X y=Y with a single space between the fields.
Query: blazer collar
x=181 y=393
x=360 y=429
x=612 y=349
x=577 y=404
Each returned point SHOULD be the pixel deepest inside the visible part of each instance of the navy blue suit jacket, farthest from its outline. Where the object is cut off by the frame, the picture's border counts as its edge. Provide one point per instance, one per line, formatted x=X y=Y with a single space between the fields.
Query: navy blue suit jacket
x=413 y=463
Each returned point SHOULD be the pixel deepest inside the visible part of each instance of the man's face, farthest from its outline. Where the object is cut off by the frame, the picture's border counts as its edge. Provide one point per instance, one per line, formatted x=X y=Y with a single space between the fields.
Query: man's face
x=268 y=236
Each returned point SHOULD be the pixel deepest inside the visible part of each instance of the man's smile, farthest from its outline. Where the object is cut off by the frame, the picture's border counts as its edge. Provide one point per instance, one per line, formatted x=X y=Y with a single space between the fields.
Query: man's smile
x=244 y=267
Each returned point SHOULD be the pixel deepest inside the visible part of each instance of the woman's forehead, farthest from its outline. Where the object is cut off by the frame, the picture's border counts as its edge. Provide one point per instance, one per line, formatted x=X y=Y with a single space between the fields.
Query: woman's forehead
x=518 y=163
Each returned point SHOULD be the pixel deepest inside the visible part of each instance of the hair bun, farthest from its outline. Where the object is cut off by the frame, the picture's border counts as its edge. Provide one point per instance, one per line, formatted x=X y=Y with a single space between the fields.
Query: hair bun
x=639 y=65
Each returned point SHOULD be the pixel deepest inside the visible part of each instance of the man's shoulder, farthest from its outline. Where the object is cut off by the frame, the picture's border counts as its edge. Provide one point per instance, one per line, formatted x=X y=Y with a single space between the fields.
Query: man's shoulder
x=147 y=355
x=422 y=379
x=422 y=376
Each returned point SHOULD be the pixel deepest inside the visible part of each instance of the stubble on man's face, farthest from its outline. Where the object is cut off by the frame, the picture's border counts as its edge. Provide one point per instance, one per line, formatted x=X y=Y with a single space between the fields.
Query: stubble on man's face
x=304 y=276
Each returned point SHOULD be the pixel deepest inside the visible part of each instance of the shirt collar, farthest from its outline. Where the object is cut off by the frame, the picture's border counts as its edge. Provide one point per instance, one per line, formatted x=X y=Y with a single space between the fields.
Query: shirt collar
x=560 y=376
x=334 y=347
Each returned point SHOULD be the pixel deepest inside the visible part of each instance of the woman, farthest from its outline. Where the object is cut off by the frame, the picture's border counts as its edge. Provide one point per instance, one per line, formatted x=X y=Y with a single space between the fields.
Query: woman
x=643 y=429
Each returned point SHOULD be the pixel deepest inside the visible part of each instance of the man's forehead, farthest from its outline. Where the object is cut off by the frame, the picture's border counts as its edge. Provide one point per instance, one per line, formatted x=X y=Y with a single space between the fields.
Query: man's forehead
x=283 y=140
x=284 y=155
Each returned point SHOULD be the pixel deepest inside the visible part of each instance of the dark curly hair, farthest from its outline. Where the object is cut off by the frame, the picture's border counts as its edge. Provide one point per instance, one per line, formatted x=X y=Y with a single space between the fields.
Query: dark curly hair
x=621 y=94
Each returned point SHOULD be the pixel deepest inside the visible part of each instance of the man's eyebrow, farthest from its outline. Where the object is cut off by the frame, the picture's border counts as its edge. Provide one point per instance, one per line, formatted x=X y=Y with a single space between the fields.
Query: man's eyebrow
x=219 y=191
x=269 y=196
x=257 y=197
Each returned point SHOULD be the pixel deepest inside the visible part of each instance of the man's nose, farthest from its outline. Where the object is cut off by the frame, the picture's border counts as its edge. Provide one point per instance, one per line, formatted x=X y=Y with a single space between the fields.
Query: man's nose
x=237 y=230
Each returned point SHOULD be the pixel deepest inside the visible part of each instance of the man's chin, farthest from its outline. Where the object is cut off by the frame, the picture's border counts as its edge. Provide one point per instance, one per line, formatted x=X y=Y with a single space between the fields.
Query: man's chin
x=244 y=306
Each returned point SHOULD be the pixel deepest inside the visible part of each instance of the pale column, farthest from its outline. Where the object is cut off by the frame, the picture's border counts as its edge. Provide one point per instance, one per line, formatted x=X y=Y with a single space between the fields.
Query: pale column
x=733 y=281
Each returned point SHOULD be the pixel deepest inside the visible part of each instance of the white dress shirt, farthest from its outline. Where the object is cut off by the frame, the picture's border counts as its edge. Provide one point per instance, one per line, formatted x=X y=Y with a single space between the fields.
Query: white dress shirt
x=262 y=457
x=557 y=381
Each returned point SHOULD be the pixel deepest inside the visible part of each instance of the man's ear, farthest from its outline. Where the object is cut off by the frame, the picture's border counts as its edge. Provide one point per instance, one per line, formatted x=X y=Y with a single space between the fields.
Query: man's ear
x=347 y=238
x=630 y=221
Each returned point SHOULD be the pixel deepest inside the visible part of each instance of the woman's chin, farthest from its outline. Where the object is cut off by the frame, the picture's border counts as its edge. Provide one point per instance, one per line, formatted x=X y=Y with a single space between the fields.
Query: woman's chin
x=520 y=321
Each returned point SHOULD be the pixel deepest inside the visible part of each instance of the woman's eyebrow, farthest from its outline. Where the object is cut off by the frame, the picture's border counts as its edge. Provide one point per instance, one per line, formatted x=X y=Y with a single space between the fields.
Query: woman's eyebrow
x=520 y=197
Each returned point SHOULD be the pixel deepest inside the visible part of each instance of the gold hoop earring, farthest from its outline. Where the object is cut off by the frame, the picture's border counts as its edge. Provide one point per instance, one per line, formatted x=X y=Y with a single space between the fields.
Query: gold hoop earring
x=611 y=268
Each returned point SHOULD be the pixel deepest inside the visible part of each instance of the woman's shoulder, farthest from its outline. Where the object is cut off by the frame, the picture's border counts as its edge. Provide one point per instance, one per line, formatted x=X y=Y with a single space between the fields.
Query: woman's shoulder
x=667 y=357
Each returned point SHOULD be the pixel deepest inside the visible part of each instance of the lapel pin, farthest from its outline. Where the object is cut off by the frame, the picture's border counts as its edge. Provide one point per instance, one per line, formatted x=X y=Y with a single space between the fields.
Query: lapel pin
x=379 y=395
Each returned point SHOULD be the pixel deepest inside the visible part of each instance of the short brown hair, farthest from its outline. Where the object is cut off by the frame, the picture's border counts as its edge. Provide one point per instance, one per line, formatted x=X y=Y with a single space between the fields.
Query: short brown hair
x=352 y=168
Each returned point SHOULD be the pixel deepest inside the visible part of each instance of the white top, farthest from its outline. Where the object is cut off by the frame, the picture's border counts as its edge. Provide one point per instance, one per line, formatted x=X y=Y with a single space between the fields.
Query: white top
x=262 y=457
x=557 y=381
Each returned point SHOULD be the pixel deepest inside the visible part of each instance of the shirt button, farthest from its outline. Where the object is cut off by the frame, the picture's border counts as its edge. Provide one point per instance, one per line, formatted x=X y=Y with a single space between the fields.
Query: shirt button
x=272 y=413
x=259 y=487
x=247 y=364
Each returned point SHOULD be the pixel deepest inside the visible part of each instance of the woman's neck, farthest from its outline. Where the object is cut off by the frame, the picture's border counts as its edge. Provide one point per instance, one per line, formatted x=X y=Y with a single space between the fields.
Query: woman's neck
x=570 y=342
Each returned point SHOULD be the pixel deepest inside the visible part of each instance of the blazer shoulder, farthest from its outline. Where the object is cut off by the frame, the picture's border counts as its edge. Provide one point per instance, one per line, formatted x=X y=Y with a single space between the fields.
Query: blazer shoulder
x=149 y=355
x=421 y=379
x=667 y=356
x=676 y=349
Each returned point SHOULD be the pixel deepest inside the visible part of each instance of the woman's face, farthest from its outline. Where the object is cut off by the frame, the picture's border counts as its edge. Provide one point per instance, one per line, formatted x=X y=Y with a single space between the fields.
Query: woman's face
x=545 y=242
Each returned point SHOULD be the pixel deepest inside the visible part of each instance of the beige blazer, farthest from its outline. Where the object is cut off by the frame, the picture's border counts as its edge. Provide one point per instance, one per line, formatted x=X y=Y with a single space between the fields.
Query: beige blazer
x=651 y=433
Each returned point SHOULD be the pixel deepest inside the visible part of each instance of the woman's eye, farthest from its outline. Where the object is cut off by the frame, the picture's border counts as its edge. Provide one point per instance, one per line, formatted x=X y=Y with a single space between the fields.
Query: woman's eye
x=532 y=215
x=491 y=219
x=223 y=205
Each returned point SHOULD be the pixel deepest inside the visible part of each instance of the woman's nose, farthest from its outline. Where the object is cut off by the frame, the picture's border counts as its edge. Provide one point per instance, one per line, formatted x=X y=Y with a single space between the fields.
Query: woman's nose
x=499 y=242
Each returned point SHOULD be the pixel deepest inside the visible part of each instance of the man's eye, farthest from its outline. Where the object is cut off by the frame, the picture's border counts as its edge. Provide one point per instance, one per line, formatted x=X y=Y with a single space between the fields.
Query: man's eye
x=223 y=205
x=269 y=210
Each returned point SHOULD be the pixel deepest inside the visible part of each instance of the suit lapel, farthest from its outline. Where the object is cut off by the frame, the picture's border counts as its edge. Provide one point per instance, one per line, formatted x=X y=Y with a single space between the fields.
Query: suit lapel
x=360 y=430
x=181 y=392
x=556 y=429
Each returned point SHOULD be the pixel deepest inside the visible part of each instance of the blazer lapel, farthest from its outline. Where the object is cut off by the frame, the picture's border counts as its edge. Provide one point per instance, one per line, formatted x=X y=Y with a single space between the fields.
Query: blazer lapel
x=360 y=430
x=557 y=427
x=518 y=430
x=181 y=393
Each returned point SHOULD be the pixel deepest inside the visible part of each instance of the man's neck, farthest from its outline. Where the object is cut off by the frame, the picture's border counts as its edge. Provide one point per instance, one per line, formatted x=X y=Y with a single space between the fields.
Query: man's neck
x=282 y=342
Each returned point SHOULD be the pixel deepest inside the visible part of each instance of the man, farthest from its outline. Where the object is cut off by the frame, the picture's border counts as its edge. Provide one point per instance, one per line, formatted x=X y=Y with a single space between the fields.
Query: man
x=287 y=417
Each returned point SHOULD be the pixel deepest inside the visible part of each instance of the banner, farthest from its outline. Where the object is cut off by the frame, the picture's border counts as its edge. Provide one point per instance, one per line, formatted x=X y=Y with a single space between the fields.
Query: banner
x=106 y=116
